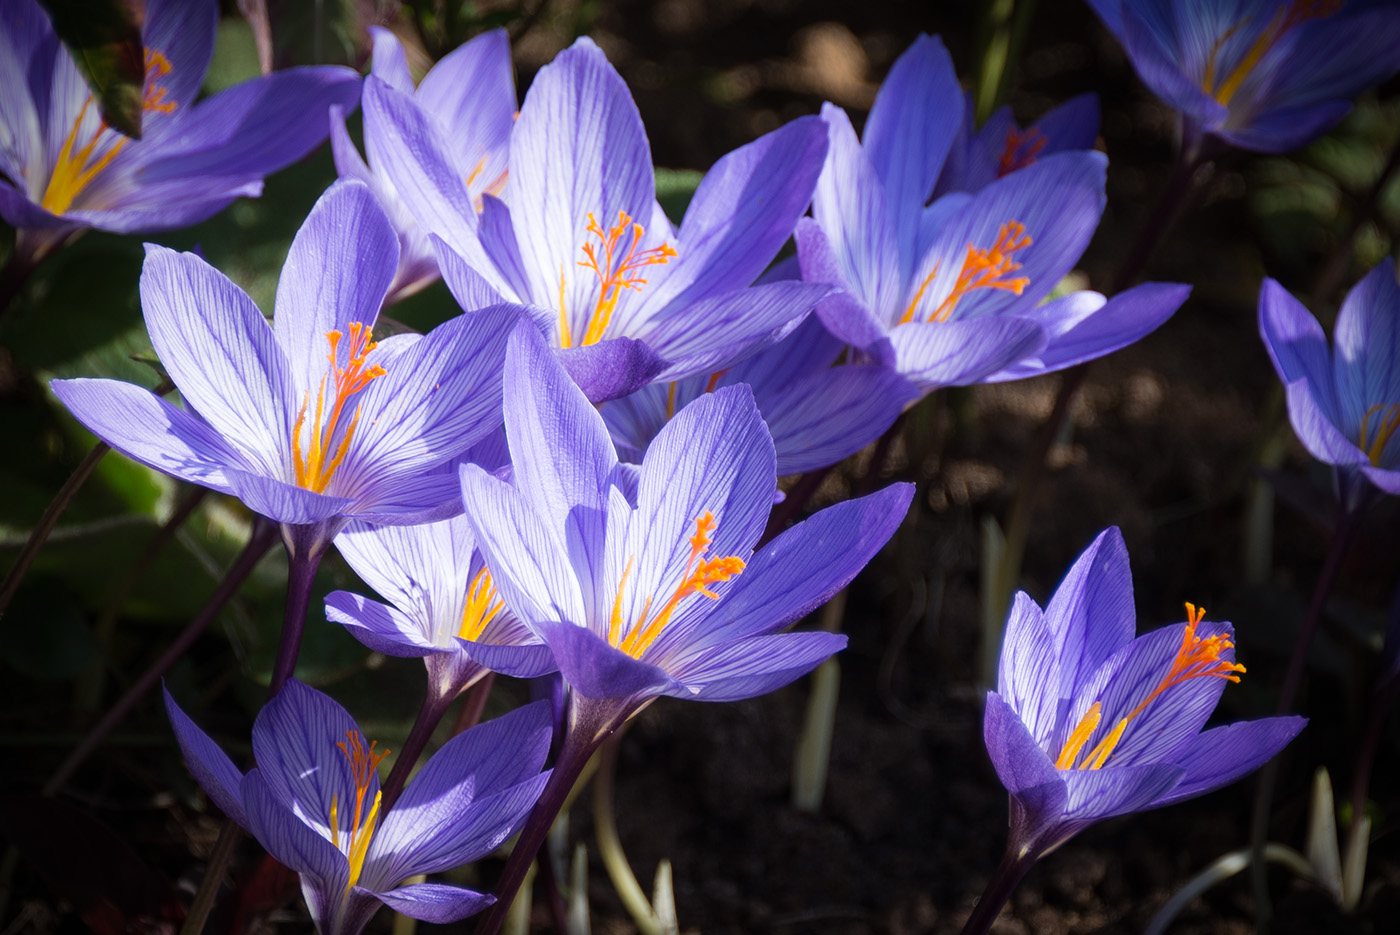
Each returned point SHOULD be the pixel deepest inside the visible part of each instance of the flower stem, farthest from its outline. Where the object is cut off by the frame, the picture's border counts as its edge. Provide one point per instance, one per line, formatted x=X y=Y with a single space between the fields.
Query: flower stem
x=580 y=741
x=1008 y=876
x=305 y=547
x=435 y=705
x=1342 y=536
x=624 y=881
x=262 y=539
x=213 y=876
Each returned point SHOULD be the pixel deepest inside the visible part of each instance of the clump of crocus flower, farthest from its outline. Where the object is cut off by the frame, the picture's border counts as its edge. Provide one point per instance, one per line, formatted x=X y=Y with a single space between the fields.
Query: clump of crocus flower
x=313 y=801
x=1089 y=722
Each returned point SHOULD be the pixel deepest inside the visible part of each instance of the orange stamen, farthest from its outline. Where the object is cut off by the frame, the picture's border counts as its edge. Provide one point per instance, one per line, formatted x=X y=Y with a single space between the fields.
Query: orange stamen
x=1387 y=416
x=1196 y=658
x=981 y=269
x=614 y=260
x=74 y=171
x=1022 y=148
x=481 y=606
x=1298 y=12
x=363 y=765
x=318 y=465
x=700 y=573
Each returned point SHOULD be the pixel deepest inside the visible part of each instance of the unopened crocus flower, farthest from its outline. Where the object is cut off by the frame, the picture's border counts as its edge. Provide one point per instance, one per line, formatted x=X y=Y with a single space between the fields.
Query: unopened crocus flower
x=1344 y=403
x=630 y=299
x=443 y=606
x=313 y=801
x=1264 y=75
x=647 y=583
x=955 y=292
x=1089 y=722
x=63 y=169
x=309 y=420
x=469 y=97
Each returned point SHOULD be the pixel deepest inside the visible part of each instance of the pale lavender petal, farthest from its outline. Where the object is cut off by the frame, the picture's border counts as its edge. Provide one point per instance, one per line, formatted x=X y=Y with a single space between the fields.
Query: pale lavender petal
x=830 y=415
x=753 y=666
x=283 y=834
x=284 y=502
x=1028 y=675
x=1367 y=363
x=1091 y=612
x=1222 y=755
x=611 y=369
x=516 y=660
x=438 y=903
x=382 y=628
x=419 y=568
x=147 y=429
x=471 y=91
x=599 y=671
x=183 y=32
x=348 y=163
x=209 y=765
x=1297 y=345
x=844 y=314
x=1020 y=762
x=1316 y=427
x=471 y=290
x=388 y=62
x=1096 y=794
x=963 y=352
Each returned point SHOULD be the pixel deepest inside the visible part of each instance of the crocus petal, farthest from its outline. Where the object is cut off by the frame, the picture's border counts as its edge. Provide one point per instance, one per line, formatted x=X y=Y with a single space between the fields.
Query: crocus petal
x=1096 y=794
x=612 y=368
x=916 y=115
x=410 y=499
x=596 y=670
x=222 y=354
x=209 y=765
x=1222 y=755
x=831 y=414
x=283 y=502
x=1389 y=481
x=294 y=743
x=184 y=33
x=963 y=352
x=1091 y=612
x=147 y=429
x=348 y=163
x=418 y=568
x=471 y=90
x=517 y=661
x=338 y=271
x=438 y=903
x=1028 y=676
x=382 y=628
x=1367 y=363
x=388 y=62
x=578 y=147
x=1297 y=345
x=1316 y=427
x=754 y=666
x=284 y=834
x=1084 y=326
x=1285 y=129
x=844 y=314
x=1020 y=762
x=1163 y=75
x=1072 y=125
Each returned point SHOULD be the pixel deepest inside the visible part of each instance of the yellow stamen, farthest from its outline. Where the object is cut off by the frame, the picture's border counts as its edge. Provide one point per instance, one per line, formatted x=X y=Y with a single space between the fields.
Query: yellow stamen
x=316 y=467
x=981 y=269
x=1022 y=148
x=481 y=606
x=614 y=260
x=1387 y=423
x=1299 y=11
x=700 y=573
x=363 y=764
x=74 y=171
x=1196 y=658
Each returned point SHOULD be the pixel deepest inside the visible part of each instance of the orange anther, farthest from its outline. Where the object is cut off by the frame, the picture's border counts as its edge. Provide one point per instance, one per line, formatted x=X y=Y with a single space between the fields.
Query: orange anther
x=981 y=269
x=1022 y=148
x=614 y=260
x=323 y=455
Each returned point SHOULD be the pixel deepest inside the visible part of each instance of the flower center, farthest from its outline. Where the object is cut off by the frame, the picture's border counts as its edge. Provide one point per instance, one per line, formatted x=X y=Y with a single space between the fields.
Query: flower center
x=1387 y=422
x=981 y=269
x=615 y=260
x=700 y=573
x=1297 y=12
x=75 y=169
x=481 y=607
x=363 y=764
x=1022 y=148
x=1197 y=658
x=317 y=465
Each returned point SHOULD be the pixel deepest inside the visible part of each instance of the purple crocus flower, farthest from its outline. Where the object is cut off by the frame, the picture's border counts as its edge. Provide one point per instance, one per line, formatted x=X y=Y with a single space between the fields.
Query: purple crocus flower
x=978 y=157
x=1088 y=722
x=309 y=420
x=63 y=169
x=630 y=298
x=1344 y=403
x=954 y=292
x=469 y=97
x=817 y=411
x=313 y=802
x=443 y=605
x=1262 y=75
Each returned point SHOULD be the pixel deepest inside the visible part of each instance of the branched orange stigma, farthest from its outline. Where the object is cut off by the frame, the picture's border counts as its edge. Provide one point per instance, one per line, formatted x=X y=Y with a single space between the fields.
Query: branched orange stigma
x=981 y=269
x=615 y=260
x=1298 y=11
x=700 y=573
x=74 y=171
x=363 y=765
x=1022 y=147
x=1196 y=658
x=317 y=466
x=481 y=607
x=1387 y=423
x=494 y=189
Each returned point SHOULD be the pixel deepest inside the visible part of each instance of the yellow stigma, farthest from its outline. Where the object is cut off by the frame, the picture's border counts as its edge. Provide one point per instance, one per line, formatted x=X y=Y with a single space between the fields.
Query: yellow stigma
x=76 y=168
x=1196 y=658
x=363 y=764
x=1298 y=11
x=615 y=260
x=481 y=607
x=700 y=574
x=1387 y=423
x=981 y=269
x=317 y=465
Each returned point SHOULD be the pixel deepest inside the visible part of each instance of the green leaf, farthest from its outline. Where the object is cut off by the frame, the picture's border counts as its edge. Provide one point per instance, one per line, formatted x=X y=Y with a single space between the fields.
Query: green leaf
x=674 y=189
x=105 y=40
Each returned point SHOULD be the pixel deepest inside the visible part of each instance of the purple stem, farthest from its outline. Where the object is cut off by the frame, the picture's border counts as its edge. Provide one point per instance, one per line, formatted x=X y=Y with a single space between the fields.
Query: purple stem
x=1008 y=876
x=305 y=547
x=262 y=539
x=435 y=705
